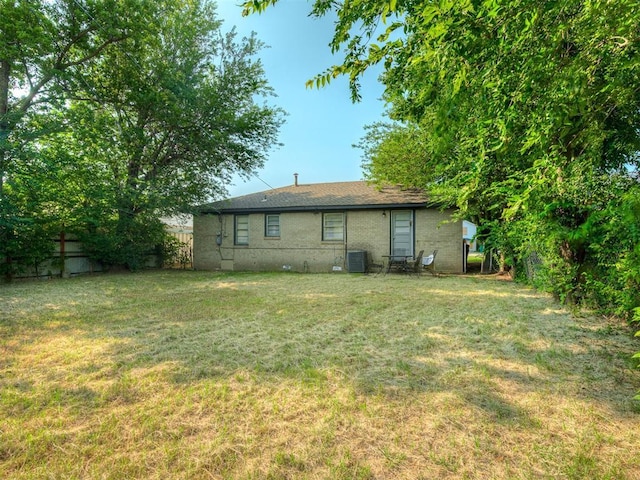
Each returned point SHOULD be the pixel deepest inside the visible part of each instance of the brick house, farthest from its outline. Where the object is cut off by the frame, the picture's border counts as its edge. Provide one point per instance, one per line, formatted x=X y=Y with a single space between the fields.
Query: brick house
x=316 y=228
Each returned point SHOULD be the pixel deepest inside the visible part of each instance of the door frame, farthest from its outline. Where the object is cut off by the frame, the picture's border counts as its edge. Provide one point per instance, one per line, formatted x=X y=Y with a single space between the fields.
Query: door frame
x=393 y=219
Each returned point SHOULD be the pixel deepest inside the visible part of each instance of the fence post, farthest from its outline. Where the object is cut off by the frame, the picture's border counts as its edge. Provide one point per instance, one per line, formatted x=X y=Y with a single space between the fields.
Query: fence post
x=63 y=273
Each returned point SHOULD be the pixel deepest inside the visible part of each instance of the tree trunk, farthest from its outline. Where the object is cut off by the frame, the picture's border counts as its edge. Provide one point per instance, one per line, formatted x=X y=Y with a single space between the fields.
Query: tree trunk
x=574 y=256
x=5 y=71
x=63 y=241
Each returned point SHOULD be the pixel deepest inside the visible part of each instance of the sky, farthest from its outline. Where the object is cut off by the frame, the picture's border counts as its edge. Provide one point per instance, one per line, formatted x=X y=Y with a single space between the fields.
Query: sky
x=322 y=124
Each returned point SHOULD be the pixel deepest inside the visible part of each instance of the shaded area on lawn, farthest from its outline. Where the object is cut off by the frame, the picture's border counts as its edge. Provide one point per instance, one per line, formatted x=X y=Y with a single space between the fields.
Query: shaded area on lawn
x=439 y=374
x=379 y=339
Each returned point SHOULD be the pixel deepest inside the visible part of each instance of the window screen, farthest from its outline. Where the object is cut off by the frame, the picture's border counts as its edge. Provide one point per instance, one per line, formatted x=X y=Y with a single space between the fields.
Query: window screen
x=242 y=229
x=272 y=225
x=333 y=226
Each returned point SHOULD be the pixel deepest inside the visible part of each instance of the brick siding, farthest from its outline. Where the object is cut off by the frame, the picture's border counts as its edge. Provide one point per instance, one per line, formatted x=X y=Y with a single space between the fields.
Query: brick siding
x=301 y=247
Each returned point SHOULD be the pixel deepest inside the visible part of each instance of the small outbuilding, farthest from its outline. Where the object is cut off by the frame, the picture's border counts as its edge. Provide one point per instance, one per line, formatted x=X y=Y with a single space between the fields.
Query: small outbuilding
x=324 y=227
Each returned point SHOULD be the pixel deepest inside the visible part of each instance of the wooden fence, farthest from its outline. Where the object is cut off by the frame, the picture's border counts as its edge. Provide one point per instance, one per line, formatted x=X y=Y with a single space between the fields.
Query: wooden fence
x=185 y=255
x=69 y=259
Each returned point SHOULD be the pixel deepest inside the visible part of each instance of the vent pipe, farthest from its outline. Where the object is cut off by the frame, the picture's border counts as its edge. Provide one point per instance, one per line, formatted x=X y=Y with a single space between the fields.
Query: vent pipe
x=295 y=179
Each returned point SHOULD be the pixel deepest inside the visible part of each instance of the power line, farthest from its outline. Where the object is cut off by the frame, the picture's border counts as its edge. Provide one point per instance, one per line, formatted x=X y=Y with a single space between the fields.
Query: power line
x=256 y=175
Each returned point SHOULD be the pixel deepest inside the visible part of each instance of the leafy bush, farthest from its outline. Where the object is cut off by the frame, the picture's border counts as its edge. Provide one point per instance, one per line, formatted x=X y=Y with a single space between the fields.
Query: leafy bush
x=129 y=242
x=172 y=251
x=24 y=242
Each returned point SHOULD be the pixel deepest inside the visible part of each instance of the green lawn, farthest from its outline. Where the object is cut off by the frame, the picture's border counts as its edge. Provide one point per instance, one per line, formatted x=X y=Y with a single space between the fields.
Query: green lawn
x=193 y=375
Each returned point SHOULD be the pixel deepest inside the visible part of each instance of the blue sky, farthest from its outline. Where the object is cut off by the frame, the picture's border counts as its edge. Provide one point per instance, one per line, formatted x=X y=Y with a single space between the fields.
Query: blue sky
x=322 y=124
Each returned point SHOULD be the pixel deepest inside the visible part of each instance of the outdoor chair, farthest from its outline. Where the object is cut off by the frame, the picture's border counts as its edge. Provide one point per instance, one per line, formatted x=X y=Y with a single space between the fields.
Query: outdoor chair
x=398 y=260
x=415 y=265
x=429 y=263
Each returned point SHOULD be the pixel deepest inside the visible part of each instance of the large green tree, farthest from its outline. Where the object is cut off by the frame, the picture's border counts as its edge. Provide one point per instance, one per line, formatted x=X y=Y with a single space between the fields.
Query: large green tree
x=148 y=111
x=531 y=110
x=43 y=46
x=172 y=117
x=524 y=114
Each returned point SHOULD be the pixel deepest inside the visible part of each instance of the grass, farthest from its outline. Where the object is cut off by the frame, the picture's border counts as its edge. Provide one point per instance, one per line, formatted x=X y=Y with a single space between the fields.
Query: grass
x=193 y=375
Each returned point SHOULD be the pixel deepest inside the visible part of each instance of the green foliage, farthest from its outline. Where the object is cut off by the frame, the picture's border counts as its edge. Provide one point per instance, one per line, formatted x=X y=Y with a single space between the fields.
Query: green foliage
x=524 y=115
x=534 y=145
x=24 y=243
x=614 y=246
x=27 y=223
x=181 y=112
x=131 y=243
x=173 y=252
x=43 y=47
x=113 y=114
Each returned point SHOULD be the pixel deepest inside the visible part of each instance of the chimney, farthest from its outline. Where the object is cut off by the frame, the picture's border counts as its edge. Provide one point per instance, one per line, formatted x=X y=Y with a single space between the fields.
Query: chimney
x=295 y=179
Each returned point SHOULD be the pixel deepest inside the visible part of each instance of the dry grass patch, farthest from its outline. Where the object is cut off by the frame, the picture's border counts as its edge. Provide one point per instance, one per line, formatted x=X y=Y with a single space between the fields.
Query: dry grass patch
x=251 y=376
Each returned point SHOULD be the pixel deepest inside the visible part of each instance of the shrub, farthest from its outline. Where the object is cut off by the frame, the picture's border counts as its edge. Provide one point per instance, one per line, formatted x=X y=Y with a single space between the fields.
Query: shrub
x=128 y=242
x=24 y=243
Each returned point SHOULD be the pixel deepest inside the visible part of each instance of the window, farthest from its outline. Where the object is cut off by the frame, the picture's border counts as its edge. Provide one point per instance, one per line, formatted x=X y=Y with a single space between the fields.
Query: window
x=333 y=226
x=272 y=225
x=242 y=229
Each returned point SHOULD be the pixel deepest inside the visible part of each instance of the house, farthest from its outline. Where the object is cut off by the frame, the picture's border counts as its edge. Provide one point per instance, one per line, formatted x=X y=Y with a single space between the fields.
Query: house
x=316 y=227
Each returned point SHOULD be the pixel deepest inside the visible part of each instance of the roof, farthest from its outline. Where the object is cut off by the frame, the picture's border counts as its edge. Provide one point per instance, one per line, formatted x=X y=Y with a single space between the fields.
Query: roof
x=320 y=196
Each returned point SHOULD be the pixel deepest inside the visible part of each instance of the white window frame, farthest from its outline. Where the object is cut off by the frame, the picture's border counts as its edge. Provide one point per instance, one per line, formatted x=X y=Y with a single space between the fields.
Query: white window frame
x=241 y=230
x=333 y=227
x=272 y=230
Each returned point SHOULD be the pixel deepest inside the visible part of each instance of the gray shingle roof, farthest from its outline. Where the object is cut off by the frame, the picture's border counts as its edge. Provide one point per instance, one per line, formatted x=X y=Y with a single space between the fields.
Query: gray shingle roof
x=320 y=196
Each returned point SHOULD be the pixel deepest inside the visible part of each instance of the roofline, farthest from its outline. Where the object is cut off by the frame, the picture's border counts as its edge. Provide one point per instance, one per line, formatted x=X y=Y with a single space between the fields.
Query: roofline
x=315 y=208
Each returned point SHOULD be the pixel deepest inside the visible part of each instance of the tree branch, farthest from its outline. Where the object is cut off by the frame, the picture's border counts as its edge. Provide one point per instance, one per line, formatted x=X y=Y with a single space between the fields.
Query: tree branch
x=93 y=54
x=24 y=104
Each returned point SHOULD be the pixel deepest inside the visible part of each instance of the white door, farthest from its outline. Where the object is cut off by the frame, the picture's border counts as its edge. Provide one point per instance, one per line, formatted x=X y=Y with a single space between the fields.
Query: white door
x=402 y=232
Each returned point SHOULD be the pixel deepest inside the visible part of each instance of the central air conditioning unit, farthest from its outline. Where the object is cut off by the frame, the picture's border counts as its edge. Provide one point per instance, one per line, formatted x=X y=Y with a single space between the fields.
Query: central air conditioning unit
x=357 y=261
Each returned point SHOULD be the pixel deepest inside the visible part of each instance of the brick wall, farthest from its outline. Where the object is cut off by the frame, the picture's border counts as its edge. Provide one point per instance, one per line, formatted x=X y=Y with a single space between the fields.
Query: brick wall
x=300 y=245
x=435 y=231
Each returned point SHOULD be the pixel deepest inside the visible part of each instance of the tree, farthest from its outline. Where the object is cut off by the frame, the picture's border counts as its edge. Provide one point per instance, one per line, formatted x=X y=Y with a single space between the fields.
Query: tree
x=181 y=115
x=113 y=113
x=180 y=108
x=43 y=46
x=151 y=128
x=526 y=110
x=45 y=43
